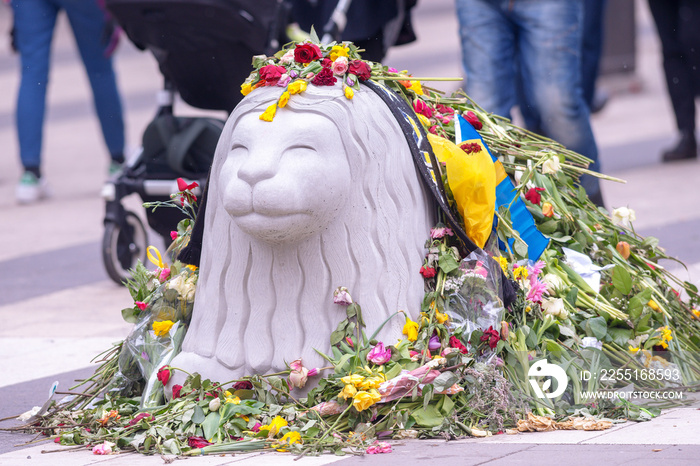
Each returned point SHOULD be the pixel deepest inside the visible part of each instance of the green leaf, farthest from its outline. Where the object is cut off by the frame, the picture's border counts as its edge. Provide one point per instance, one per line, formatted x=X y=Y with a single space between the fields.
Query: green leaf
x=548 y=227
x=427 y=417
x=393 y=371
x=597 y=327
x=427 y=395
x=444 y=381
x=337 y=336
x=130 y=315
x=447 y=263
x=620 y=335
x=637 y=302
x=622 y=280
x=571 y=296
x=520 y=248
x=446 y=405
x=198 y=415
x=211 y=425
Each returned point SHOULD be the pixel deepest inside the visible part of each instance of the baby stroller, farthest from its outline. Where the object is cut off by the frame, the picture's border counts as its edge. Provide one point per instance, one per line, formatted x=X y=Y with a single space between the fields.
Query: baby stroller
x=204 y=50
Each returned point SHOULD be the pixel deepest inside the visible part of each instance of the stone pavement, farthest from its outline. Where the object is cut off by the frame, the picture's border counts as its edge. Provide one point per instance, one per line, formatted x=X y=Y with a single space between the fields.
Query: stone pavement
x=59 y=309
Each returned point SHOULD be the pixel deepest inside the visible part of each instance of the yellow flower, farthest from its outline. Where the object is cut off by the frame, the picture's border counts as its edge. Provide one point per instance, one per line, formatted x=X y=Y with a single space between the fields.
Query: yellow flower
x=284 y=98
x=269 y=113
x=520 y=272
x=416 y=87
x=338 y=51
x=632 y=349
x=364 y=399
x=696 y=313
x=233 y=399
x=162 y=328
x=410 y=329
x=371 y=382
x=290 y=438
x=424 y=121
x=652 y=304
x=246 y=88
x=354 y=379
x=503 y=262
x=297 y=86
x=348 y=391
x=440 y=317
x=274 y=427
x=528 y=309
x=349 y=93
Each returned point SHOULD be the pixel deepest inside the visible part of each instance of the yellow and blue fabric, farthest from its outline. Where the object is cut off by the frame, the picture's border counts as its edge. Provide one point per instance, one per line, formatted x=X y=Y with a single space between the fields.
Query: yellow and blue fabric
x=506 y=195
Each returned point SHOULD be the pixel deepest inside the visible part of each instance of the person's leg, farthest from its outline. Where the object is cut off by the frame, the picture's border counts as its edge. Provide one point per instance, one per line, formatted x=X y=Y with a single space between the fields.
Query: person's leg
x=488 y=54
x=593 y=15
x=550 y=48
x=88 y=22
x=34 y=24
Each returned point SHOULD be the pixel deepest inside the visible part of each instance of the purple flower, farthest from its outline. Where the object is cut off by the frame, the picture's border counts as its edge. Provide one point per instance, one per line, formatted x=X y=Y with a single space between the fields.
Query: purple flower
x=434 y=343
x=379 y=354
x=284 y=80
x=293 y=74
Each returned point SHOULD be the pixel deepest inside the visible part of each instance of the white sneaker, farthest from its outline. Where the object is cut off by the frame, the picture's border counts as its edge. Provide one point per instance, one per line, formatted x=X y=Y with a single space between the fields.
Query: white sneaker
x=31 y=189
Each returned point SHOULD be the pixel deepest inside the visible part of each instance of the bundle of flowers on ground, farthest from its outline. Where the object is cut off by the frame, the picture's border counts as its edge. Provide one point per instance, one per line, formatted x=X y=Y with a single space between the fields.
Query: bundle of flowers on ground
x=596 y=308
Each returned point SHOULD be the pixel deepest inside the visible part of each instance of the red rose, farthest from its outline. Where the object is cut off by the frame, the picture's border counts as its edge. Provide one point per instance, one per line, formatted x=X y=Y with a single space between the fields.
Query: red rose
x=422 y=108
x=324 y=78
x=456 y=343
x=243 y=385
x=271 y=73
x=427 y=272
x=533 y=195
x=306 y=53
x=473 y=120
x=326 y=62
x=164 y=374
x=491 y=336
x=197 y=442
x=176 y=391
x=360 y=69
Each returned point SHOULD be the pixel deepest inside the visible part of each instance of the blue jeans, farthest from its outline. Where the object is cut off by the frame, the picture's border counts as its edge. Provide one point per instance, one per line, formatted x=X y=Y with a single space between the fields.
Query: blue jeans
x=544 y=38
x=34 y=27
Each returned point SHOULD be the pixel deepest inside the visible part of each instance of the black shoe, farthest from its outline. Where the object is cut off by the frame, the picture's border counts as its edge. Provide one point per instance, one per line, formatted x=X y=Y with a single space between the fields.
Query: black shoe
x=687 y=148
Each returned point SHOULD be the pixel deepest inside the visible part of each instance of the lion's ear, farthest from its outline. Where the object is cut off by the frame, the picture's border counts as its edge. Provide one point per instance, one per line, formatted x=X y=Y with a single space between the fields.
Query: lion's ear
x=192 y=253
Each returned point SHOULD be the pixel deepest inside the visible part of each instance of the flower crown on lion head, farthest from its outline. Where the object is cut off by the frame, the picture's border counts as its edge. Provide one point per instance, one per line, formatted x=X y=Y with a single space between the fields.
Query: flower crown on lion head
x=299 y=64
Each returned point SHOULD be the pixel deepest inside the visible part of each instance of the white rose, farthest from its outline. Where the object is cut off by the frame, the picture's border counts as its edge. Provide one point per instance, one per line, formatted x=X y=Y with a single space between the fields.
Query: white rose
x=623 y=216
x=591 y=342
x=554 y=307
x=554 y=282
x=551 y=165
x=214 y=404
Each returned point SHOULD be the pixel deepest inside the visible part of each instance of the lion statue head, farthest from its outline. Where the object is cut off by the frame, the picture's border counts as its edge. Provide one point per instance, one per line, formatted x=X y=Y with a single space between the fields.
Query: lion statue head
x=325 y=195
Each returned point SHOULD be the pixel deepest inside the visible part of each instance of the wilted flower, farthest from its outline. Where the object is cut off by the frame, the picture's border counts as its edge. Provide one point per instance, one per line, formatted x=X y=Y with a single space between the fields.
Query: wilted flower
x=341 y=296
x=623 y=248
x=298 y=374
x=410 y=329
x=197 y=442
x=176 y=391
x=505 y=330
x=491 y=336
x=348 y=391
x=290 y=438
x=140 y=416
x=434 y=343
x=473 y=120
x=104 y=448
x=108 y=416
x=378 y=447
x=427 y=272
x=457 y=343
x=439 y=232
x=379 y=354
x=164 y=374
x=623 y=216
x=274 y=427
x=551 y=165
x=547 y=210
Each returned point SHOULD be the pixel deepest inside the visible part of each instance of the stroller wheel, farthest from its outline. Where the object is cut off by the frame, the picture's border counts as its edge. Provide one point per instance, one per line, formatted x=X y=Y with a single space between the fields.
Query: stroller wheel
x=122 y=246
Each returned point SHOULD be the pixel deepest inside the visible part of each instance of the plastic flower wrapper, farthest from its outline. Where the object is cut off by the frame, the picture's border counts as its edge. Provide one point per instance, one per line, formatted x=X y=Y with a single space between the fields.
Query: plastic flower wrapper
x=474 y=301
x=156 y=337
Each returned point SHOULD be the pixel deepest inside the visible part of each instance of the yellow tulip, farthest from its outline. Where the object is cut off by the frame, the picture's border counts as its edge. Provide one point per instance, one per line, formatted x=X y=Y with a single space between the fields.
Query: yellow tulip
x=349 y=93
x=284 y=98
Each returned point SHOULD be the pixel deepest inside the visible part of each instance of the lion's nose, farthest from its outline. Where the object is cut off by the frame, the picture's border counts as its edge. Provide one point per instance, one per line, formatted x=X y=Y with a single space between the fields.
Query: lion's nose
x=258 y=167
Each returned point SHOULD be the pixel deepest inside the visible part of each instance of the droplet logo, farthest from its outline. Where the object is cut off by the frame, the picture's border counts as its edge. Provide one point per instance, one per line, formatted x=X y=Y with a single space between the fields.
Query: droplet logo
x=543 y=368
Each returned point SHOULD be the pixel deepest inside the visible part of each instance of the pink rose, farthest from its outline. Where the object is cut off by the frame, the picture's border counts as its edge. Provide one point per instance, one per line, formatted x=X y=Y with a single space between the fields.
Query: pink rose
x=340 y=65
x=379 y=354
